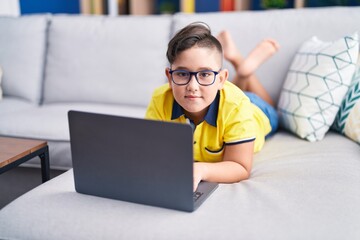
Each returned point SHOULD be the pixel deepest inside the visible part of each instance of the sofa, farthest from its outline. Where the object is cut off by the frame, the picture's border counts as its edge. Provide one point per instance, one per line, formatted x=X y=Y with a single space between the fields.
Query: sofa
x=298 y=189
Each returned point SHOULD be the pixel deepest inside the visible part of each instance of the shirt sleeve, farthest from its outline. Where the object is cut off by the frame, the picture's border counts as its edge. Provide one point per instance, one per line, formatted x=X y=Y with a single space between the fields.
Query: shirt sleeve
x=152 y=111
x=160 y=104
x=240 y=124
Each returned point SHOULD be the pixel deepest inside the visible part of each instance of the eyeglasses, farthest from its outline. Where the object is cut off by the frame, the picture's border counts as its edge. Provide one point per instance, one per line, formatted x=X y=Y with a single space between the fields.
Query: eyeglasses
x=183 y=77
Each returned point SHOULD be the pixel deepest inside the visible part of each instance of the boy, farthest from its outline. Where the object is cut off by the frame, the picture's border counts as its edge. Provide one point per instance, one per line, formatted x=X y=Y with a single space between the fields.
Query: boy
x=228 y=127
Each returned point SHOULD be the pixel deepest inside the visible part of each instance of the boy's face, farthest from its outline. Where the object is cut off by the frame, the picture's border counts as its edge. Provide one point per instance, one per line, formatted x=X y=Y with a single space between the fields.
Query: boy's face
x=193 y=97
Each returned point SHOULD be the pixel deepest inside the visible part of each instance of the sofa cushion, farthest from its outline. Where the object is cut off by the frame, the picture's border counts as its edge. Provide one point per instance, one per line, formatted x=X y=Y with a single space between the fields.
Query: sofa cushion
x=106 y=60
x=9 y=105
x=347 y=120
x=294 y=192
x=248 y=28
x=316 y=84
x=22 y=54
x=50 y=121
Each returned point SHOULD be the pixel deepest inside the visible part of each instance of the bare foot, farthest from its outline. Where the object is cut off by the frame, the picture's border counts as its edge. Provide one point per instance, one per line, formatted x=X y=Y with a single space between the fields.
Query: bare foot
x=231 y=52
x=259 y=55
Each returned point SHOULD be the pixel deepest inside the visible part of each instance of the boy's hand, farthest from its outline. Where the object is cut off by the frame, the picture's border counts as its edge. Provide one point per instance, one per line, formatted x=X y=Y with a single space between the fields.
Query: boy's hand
x=199 y=170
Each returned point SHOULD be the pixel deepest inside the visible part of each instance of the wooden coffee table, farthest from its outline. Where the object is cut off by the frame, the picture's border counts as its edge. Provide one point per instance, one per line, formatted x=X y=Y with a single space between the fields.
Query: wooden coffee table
x=15 y=151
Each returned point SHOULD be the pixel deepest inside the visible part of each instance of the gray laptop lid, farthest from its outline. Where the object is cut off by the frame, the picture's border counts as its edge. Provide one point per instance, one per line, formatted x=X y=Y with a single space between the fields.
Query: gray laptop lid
x=136 y=160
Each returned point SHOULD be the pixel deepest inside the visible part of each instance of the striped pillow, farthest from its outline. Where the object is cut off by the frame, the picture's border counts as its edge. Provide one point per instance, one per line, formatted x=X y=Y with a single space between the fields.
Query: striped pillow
x=347 y=120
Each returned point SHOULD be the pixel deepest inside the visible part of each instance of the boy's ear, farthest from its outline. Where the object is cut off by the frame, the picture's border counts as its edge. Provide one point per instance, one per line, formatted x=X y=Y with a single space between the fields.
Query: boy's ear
x=223 y=77
x=168 y=75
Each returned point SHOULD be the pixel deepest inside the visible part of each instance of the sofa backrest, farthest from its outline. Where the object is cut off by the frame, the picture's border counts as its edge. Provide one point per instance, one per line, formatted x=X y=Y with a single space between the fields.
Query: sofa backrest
x=22 y=56
x=289 y=27
x=121 y=60
x=104 y=59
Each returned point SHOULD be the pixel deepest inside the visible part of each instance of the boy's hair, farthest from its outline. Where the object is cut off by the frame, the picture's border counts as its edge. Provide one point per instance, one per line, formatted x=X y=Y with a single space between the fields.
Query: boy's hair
x=197 y=33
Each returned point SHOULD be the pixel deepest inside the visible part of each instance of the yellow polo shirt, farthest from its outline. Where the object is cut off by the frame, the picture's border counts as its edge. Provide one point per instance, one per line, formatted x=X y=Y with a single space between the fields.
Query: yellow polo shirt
x=231 y=119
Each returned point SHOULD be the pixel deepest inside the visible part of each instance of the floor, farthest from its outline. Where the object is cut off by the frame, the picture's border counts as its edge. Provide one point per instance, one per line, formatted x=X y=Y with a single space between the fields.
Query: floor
x=20 y=180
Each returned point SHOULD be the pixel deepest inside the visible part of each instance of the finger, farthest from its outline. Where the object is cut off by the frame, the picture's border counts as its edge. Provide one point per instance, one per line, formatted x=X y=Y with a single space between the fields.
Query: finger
x=196 y=183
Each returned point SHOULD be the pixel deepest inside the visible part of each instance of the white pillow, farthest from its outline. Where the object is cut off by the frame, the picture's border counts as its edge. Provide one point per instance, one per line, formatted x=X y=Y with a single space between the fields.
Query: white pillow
x=1 y=73
x=316 y=84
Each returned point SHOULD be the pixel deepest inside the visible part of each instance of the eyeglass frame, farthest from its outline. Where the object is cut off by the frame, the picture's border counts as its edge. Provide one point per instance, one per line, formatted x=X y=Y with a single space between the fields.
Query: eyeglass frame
x=194 y=74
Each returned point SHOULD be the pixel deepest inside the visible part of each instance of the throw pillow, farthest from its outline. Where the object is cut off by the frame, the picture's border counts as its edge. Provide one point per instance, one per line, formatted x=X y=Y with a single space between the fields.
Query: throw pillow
x=316 y=84
x=347 y=120
x=1 y=73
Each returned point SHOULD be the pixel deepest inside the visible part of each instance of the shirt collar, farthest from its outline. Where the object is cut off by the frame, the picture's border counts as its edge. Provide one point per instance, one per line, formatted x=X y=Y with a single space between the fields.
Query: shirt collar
x=210 y=117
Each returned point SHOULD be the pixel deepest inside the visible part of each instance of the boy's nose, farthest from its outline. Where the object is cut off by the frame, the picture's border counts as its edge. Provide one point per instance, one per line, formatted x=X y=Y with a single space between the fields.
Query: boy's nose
x=193 y=84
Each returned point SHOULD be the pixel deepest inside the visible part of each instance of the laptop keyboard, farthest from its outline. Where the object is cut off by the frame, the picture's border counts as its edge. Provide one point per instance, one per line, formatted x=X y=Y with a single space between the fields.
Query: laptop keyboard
x=197 y=195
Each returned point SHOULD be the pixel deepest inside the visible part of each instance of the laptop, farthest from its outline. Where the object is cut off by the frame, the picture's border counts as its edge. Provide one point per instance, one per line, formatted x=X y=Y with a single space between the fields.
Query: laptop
x=135 y=160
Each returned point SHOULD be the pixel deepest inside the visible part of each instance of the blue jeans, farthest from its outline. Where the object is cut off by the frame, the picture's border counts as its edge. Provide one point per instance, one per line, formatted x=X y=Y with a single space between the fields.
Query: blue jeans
x=269 y=111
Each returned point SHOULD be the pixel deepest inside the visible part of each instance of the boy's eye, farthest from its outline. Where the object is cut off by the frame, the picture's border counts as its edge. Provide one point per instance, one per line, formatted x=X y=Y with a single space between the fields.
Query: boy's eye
x=205 y=74
x=182 y=74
